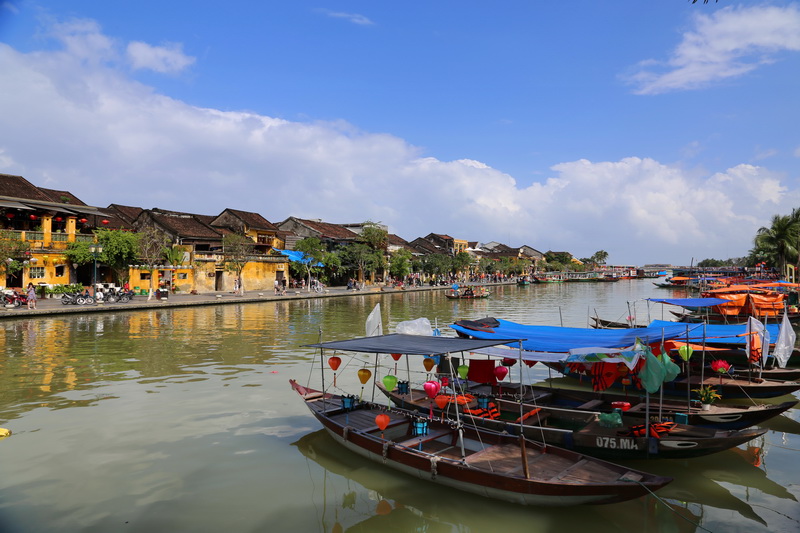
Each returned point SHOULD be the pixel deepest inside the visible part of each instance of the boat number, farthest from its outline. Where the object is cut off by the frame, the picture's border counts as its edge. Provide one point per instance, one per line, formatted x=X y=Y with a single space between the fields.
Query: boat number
x=611 y=442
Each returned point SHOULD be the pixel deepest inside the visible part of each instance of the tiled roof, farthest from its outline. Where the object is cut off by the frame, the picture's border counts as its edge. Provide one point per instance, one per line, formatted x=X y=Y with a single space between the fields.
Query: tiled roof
x=19 y=187
x=252 y=220
x=424 y=246
x=62 y=197
x=186 y=225
x=329 y=230
x=125 y=212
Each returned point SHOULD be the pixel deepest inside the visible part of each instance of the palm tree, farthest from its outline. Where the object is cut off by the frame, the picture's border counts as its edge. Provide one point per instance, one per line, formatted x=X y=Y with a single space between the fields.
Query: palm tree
x=780 y=240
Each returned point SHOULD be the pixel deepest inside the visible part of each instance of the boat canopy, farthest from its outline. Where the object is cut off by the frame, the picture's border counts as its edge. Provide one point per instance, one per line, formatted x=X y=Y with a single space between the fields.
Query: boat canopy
x=561 y=339
x=715 y=333
x=412 y=344
x=690 y=302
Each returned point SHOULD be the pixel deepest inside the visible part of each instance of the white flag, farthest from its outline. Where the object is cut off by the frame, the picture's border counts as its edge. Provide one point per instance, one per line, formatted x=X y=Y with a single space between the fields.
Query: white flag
x=785 y=343
x=374 y=322
x=756 y=328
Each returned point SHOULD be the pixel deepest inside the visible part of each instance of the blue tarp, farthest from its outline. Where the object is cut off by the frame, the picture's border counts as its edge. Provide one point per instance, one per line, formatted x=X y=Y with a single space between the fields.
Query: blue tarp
x=715 y=333
x=298 y=257
x=560 y=339
x=690 y=302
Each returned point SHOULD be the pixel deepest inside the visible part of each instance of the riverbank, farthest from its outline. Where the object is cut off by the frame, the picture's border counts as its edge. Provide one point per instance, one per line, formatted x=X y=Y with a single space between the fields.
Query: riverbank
x=53 y=306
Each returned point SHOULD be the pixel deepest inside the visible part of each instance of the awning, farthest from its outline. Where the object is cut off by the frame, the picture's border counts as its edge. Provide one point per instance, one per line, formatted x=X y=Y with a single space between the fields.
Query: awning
x=410 y=344
x=12 y=204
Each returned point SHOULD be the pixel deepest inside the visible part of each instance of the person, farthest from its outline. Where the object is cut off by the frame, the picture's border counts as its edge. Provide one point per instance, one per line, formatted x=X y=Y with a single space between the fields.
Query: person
x=31 y=296
x=276 y=286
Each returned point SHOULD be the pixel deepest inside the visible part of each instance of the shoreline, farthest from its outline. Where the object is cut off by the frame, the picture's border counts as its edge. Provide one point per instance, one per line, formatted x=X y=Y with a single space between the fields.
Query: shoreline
x=53 y=306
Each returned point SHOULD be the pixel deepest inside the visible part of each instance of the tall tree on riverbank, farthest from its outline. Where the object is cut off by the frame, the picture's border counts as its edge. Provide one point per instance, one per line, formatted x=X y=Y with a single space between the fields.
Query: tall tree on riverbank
x=12 y=251
x=237 y=250
x=779 y=241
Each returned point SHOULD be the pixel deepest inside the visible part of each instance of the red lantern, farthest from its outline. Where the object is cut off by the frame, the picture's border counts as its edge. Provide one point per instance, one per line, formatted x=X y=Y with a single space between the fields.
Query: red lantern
x=442 y=400
x=334 y=362
x=9 y=215
x=431 y=388
x=529 y=363
x=33 y=217
x=83 y=221
x=445 y=381
x=58 y=219
x=396 y=356
x=500 y=372
x=104 y=221
x=507 y=361
x=382 y=420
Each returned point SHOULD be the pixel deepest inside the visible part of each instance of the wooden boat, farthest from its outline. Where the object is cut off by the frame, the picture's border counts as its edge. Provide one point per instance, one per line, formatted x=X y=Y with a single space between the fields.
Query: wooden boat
x=718 y=415
x=549 y=277
x=490 y=464
x=467 y=294
x=622 y=438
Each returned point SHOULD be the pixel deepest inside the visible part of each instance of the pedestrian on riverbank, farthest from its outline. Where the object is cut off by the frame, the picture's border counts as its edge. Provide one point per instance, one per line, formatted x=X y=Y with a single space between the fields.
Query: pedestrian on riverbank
x=31 y=290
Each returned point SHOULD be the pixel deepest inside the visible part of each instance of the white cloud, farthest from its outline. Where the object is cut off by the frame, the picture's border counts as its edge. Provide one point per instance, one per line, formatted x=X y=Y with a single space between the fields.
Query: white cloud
x=164 y=59
x=81 y=125
x=730 y=43
x=355 y=18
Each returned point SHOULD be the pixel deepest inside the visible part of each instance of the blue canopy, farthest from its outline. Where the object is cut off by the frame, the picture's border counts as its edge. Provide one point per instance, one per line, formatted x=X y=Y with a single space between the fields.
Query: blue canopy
x=716 y=333
x=298 y=257
x=560 y=339
x=690 y=302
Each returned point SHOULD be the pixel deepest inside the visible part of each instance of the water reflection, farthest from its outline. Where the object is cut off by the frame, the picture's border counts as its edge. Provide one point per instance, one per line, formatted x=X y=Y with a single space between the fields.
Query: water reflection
x=189 y=414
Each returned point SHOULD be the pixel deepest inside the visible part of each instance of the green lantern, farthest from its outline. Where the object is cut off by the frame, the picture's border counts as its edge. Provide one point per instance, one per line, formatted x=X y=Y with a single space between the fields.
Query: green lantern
x=685 y=352
x=463 y=370
x=390 y=382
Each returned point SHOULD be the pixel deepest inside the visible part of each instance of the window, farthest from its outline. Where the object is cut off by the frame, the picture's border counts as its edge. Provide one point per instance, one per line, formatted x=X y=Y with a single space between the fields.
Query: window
x=36 y=272
x=59 y=270
x=182 y=275
x=144 y=275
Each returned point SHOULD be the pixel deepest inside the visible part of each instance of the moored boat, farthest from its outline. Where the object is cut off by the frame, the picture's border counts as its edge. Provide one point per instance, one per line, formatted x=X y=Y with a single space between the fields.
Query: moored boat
x=487 y=463
x=610 y=436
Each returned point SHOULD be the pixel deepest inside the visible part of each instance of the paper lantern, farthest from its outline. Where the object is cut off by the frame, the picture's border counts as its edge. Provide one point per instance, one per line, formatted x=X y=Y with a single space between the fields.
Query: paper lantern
x=9 y=215
x=444 y=380
x=383 y=508
x=685 y=352
x=58 y=219
x=431 y=388
x=396 y=356
x=104 y=221
x=428 y=363
x=529 y=363
x=33 y=217
x=382 y=420
x=720 y=366
x=363 y=375
x=83 y=221
x=334 y=362
x=500 y=372
x=462 y=370
x=442 y=400
x=389 y=382
x=507 y=361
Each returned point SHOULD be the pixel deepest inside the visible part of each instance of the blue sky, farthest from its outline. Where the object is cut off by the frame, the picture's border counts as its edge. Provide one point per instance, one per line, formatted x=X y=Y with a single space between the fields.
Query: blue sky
x=660 y=132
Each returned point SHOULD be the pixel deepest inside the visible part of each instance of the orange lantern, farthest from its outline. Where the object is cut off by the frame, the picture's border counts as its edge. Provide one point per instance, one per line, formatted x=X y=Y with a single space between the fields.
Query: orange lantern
x=428 y=363
x=382 y=421
x=442 y=400
x=396 y=356
x=383 y=508
x=334 y=362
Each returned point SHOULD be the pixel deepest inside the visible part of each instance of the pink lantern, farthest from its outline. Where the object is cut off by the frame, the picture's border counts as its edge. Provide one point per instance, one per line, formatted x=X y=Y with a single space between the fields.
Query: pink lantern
x=432 y=388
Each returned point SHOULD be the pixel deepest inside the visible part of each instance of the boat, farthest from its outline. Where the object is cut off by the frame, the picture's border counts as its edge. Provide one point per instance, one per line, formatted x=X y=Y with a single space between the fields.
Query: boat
x=562 y=340
x=523 y=281
x=486 y=463
x=636 y=404
x=467 y=293
x=606 y=436
x=549 y=277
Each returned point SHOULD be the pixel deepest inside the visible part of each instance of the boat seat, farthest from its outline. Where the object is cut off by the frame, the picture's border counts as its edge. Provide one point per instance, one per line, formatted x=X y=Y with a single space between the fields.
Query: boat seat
x=433 y=435
x=392 y=424
x=591 y=404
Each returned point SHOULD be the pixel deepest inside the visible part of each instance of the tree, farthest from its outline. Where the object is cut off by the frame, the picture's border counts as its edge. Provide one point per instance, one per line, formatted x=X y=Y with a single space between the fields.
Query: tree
x=314 y=252
x=12 y=250
x=152 y=243
x=120 y=249
x=237 y=250
x=779 y=241
x=362 y=258
x=599 y=257
x=461 y=262
x=400 y=263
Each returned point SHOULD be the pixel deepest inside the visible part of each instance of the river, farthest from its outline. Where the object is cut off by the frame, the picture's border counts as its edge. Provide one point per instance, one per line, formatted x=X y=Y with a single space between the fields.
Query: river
x=183 y=420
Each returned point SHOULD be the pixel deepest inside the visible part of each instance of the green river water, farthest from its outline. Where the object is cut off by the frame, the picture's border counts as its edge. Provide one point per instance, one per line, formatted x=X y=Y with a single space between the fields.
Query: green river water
x=180 y=420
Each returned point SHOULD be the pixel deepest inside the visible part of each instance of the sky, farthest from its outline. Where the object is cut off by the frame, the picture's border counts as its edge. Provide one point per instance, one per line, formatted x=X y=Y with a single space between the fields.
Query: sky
x=659 y=132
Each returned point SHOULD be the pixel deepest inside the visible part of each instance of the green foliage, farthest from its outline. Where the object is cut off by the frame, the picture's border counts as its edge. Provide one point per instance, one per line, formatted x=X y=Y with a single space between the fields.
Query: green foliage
x=461 y=262
x=778 y=242
x=120 y=249
x=437 y=264
x=313 y=249
x=374 y=236
x=362 y=258
x=237 y=250
x=152 y=244
x=712 y=263
x=486 y=265
x=564 y=258
x=400 y=263
x=14 y=248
